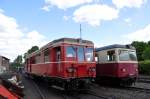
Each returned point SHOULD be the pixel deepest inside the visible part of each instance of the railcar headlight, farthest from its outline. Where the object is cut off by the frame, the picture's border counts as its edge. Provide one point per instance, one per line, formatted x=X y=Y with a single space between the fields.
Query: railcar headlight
x=71 y=69
x=123 y=70
x=92 y=69
x=136 y=70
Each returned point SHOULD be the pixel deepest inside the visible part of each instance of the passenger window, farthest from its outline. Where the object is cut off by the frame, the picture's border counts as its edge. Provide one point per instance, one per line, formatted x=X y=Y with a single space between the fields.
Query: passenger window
x=111 y=55
x=32 y=60
x=37 y=58
x=46 y=55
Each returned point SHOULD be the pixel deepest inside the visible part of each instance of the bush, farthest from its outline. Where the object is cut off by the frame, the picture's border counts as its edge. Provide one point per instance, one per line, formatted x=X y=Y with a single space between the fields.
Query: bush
x=144 y=67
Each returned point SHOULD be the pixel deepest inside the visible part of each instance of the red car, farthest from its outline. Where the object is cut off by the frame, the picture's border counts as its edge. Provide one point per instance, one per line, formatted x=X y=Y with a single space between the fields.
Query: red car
x=68 y=63
x=116 y=64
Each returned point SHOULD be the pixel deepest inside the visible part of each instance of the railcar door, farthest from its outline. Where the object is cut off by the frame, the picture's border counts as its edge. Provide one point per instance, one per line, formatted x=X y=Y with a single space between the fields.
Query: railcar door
x=58 y=61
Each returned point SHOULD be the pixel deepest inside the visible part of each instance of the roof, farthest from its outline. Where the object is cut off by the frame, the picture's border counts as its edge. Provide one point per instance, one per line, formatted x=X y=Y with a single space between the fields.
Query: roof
x=115 y=46
x=64 y=40
x=5 y=57
x=70 y=40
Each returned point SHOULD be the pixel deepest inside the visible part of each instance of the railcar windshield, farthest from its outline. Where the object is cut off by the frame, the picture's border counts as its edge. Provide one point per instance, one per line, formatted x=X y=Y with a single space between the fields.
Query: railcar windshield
x=89 y=54
x=71 y=51
x=80 y=53
x=127 y=55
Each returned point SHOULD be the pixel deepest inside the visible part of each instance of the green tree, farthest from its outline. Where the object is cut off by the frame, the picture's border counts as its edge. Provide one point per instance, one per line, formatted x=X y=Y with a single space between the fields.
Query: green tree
x=148 y=43
x=33 y=49
x=18 y=62
x=18 y=59
x=140 y=47
x=146 y=53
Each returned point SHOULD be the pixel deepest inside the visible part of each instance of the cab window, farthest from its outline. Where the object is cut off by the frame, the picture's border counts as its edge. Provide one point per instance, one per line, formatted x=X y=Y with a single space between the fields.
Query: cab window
x=80 y=54
x=70 y=51
x=111 y=55
x=89 y=54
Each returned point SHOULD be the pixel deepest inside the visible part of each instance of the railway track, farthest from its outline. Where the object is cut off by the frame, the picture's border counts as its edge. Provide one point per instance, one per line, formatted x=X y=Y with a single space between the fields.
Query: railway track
x=38 y=89
x=139 y=89
x=81 y=94
x=93 y=93
x=144 y=80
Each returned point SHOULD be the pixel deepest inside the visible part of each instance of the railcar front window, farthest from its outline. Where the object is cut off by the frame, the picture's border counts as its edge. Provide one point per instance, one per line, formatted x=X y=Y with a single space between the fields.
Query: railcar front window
x=80 y=54
x=70 y=51
x=127 y=55
x=132 y=55
x=111 y=55
x=89 y=54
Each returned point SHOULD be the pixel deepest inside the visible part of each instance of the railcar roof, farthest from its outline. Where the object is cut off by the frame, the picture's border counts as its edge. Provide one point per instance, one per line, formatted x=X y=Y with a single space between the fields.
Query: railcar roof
x=70 y=40
x=64 y=40
x=115 y=46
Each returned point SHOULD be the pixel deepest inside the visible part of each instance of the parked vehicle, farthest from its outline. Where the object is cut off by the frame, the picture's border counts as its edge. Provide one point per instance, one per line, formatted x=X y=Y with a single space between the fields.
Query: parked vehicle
x=116 y=64
x=68 y=63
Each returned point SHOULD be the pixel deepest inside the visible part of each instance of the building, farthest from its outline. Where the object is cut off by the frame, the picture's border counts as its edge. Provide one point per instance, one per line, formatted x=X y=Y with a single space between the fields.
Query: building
x=4 y=64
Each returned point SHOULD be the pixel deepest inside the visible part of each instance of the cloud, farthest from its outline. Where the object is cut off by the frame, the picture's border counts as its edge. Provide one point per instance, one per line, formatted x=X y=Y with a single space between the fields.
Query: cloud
x=64 y=4
x=66 y=18
x=1 y=10
x=46 y=8
x=128 y=3
x=128 y=21
x=13 y=41
x=94 y=14
x=139 y=35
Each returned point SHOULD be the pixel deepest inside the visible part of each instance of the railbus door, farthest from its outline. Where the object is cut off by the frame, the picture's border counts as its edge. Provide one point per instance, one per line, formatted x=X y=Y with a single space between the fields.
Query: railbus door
x=58 y=61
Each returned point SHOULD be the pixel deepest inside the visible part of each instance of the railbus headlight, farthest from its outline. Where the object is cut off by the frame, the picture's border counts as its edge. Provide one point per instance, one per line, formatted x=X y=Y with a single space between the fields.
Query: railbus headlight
x=123 y=70
x=92 y=69
x=71 y=69
x=136 y=70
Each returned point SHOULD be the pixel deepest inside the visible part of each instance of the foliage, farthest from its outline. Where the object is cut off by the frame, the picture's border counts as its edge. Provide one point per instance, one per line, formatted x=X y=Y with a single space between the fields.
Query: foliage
x=18 y=62
x=140 y=47
x=144 y=67
x=33 y=49
x=18 y=59
x=146 y=53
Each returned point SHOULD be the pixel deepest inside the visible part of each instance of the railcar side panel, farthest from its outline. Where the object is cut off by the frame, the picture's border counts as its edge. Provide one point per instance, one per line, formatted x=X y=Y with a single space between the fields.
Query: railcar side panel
x=107 y=69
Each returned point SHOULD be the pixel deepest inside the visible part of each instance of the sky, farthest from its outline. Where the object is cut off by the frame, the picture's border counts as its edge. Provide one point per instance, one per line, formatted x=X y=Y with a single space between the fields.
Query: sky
x=25 y=23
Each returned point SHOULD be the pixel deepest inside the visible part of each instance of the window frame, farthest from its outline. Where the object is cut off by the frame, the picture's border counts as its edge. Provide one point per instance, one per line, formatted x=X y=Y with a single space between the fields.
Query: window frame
x=91 y=59
x=48 y=55
x=83 y=57
x=74 y=51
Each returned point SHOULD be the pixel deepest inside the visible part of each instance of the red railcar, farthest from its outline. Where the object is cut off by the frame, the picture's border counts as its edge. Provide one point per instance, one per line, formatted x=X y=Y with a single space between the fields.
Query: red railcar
x=116 y=64
x=66 y=62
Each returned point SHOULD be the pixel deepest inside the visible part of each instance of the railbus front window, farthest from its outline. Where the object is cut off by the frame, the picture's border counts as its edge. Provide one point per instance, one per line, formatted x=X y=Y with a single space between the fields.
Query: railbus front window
x=132 y=55
x=80 y=54
x=127 y=55
x=70 y=51
x=124 y=55
x=111 y=55
x=89 y=54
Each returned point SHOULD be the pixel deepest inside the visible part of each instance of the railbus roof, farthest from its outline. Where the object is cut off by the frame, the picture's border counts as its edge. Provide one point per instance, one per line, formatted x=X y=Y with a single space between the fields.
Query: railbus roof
x=63 y=40
x=115 y=46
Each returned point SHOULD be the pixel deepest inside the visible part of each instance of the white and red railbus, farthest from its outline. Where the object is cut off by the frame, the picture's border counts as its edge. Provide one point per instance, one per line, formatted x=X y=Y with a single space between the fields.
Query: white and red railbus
x=116 y=64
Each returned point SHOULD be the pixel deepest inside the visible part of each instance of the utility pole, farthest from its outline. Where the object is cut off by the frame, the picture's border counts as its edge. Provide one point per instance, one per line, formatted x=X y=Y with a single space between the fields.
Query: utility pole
x=80 y=32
